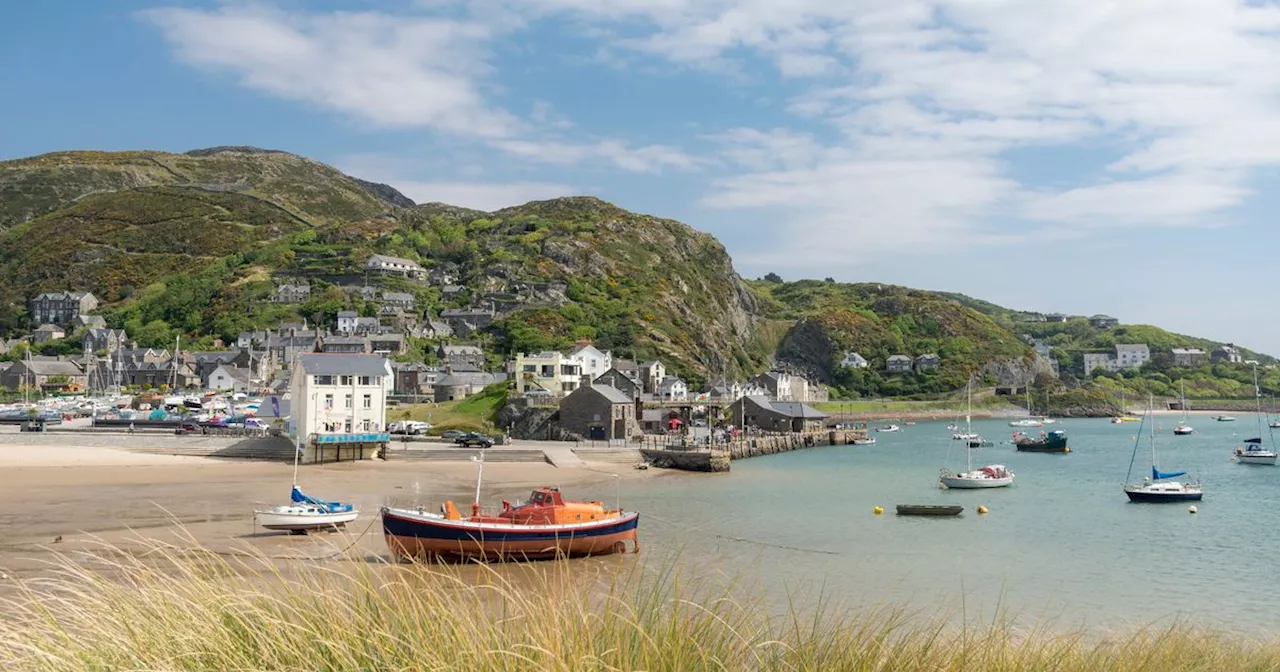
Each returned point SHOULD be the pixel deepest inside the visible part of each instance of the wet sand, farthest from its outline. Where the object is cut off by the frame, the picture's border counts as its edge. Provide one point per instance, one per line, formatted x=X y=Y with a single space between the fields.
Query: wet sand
x=67 y=499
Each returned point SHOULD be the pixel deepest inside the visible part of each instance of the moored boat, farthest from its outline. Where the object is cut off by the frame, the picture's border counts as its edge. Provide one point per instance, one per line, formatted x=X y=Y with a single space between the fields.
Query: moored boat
x=1253 y=451
x=1183 y=428
x=888 y=428
x=1224 y=418
x=1157 y=488
x=929 y=509
x=991 y=476
x=864 y=441
x=1051 y=442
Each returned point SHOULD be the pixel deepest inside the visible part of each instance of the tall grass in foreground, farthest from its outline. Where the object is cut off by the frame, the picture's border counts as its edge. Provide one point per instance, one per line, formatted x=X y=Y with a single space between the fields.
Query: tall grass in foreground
x=172 y=609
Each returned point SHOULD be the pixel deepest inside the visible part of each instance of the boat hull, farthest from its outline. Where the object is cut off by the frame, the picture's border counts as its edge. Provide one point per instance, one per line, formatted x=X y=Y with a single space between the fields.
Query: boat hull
x=975 y=483
x=1050 y=446
x=1183 y=431
x=1142 y=497
x=1256 y=459
x=413 y=535
x=298 y=522
x=928 y=510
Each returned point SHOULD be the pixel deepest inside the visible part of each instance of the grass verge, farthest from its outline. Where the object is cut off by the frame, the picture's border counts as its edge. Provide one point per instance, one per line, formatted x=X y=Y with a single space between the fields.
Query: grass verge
x=166 y=608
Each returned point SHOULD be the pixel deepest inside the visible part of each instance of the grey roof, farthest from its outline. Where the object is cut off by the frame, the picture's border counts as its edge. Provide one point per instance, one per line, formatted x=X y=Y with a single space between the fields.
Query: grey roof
x=54 y=368
x=611 y=393
x=346 y=313
x=240 y=374
x=49 y=328
x=345 y=340
x=461 y=350
x=386 y=259
x=452 y=289
x=795 y=409
x=624 y=364
x=670 y=382
x=343 y=364
x=899 y=358
x=403 y=297
x=469 y=378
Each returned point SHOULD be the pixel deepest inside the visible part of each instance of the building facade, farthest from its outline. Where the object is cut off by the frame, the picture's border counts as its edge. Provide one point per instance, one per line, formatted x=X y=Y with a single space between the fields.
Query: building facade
x=599 y=412
x=386 y=265
x=61 y=308
x=593 y=362
x=550 y=371
x=337 y=395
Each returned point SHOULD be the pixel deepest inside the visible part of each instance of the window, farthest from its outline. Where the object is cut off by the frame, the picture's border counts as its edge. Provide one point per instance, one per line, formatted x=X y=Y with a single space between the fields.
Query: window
x=364 y=380
x=368 y=401
x=324 y=380
x=346 y=380
x=328 y=401
x=347 y=401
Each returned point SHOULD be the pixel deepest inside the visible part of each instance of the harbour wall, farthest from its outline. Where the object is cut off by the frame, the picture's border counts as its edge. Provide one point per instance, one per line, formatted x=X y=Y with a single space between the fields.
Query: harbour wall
x=718 y=457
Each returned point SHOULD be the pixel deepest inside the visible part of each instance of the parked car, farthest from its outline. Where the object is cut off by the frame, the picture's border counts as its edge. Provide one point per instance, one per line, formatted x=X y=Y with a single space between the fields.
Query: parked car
x=415 y=427
x=453 y=434
x=478 y=440
x=188 y=428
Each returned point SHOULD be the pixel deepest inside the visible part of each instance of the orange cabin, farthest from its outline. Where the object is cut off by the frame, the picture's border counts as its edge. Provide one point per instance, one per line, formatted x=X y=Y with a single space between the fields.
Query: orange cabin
x=547 y=507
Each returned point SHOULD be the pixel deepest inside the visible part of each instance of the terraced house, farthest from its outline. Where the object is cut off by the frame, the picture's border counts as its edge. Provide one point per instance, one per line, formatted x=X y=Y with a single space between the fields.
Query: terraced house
x=61 y=308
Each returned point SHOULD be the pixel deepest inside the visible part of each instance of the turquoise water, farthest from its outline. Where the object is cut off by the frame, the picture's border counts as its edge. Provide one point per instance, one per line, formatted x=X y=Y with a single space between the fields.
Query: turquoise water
x=1063 y=543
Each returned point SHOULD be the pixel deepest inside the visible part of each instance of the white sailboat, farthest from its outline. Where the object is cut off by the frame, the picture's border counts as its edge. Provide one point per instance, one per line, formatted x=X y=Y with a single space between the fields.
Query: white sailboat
x=305 y=513
x=1029 y=421
x=1157 y=488
x=1252 y=451
x=1183 y=428
x=990 y=476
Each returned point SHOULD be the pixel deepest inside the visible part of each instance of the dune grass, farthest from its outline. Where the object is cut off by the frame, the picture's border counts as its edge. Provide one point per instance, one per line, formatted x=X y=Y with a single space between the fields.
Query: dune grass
x=166 y=608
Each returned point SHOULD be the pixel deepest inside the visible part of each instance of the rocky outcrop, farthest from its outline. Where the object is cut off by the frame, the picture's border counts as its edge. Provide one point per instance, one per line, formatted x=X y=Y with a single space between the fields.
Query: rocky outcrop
x=1017 y=372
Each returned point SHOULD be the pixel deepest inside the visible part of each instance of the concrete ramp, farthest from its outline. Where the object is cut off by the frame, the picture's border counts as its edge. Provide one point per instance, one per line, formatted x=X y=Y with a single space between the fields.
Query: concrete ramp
x=563 y=457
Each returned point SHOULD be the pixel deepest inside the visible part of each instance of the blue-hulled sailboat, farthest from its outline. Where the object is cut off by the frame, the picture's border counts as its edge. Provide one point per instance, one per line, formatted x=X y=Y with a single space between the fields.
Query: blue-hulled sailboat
x=1158 y=488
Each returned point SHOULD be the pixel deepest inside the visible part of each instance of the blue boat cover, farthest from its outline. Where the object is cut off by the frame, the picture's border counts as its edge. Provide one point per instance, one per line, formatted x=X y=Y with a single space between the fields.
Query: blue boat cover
x=1258 y=441
x=1157 y=474
x=332 y=507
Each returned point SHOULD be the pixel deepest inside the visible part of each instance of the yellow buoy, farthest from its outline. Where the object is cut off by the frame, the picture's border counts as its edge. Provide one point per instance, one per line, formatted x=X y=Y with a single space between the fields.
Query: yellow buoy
x=878 y=510
x=1192 y=509
x=982 y=509
x=1066 y=450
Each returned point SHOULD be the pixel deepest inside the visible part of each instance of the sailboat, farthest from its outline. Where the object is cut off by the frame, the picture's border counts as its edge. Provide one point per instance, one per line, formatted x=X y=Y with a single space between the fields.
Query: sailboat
x=1252 y=452
x=990 y=476
x=1274 y=424
x=1028 y=421
x=1157 y=487
x=1124 y=412
x=304 y=512
x=1183 y=428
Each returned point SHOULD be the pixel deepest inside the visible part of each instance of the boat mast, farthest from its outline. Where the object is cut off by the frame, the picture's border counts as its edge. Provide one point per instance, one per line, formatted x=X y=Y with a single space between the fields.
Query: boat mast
x=1151 y=429
x=1257 y=396
x=479 y=476
x=968 y=442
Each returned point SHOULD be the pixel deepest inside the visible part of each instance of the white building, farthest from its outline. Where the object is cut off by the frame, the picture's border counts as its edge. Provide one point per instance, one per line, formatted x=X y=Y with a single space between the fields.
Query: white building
x=853 y=360
x=550 y=371
x=338 y=395
x=1126 y=356
x=381 y=263
x=228 y=377
x=593 y=362
x=673 y=389
x=347 y=320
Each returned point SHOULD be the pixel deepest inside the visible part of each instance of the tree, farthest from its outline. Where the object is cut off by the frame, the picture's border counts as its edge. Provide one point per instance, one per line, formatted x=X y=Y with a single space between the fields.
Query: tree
x=829 y=280
x=772 y=277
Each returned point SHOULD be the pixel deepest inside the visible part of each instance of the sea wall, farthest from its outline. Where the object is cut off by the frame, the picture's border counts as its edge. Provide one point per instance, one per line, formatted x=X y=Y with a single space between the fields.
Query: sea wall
x=717 y=459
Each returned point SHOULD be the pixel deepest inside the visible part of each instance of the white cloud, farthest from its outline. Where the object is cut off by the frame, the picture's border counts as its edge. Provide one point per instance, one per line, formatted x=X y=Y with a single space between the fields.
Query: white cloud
x=391 y=71
x=486 y=196
x=647 y=159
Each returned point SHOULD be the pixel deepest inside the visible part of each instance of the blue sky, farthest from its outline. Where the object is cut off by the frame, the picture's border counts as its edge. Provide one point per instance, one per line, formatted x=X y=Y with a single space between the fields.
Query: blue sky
x=1051 y=155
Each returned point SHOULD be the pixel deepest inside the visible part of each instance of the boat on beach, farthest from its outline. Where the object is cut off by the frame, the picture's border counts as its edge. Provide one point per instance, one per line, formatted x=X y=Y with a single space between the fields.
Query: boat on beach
x=929 y=509
x=545 y=526
x=1157 y=488
x=304 y=513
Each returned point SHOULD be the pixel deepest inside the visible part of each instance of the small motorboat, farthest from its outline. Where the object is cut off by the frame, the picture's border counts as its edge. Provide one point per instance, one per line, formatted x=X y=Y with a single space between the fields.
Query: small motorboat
x=1224 y=418
x=1051 y=442
x=865 y=441
x=929 y=509
x=888 y=428
x=965 y=437
x=1274 y=424
x=1026 y=422
x=1124 y=418
x=952 y=427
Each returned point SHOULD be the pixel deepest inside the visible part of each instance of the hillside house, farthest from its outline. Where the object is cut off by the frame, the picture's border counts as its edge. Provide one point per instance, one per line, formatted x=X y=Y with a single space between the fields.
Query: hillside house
x=48 y=332
x=88 y=322
x=387 y=345
x=401 y=300
x=61 y=308
x=415 y=378
x=651 y=375
x=465 y=321
x=387 y=265
x=347 y=321
x=1227 y=354
x=104 y=340
x=440 y=275
x=1055 y=317
x=1103 y=321
x=853 y=360
x=928 y=362
x=625 y=382
x=593 y=362
x=550 y=371
x=43 y=374
x=673 y=388
x=346 y=345
x=775 y=416
x=452 y=291
x=599 y=412
x=1127 y=356
x=459 y=356
x=1189 y=356
x=898 y=364
x=290 y=292
x=776 y=385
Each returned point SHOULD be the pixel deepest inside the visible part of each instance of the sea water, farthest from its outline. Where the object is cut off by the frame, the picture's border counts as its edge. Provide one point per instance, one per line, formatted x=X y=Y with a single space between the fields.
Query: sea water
x=1062 y=544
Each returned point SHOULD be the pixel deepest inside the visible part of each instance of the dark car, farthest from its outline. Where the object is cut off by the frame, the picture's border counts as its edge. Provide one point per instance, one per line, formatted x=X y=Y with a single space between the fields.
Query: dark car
x=189 y=428
x=473 y=439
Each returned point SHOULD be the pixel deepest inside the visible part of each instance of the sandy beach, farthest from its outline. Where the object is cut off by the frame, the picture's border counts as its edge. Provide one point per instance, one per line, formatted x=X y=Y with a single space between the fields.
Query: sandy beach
x=64 y=499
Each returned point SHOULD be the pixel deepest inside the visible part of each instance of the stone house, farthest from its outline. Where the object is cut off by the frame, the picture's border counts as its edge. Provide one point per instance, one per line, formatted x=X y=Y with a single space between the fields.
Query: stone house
x=415 y=378
x=1189 y=356
x=387 y=344
x=601 y=413
x=88 y=322
x=61 y=308
x=440 y=275
x=48 y=332
x=387 y=265
x=775 y=416
x=401 y=300
x=1055 y=317
x=452 y=291
x=898 y=364
x=290 y=292
x=928 y=362
x=461 y=355
x=435 y=329
x=1226 y=353
x=104 y=340
x=43 y=374
x=622 y=381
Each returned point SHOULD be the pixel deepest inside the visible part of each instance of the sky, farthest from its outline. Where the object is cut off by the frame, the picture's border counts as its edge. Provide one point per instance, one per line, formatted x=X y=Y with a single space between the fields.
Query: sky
x=1077 y=156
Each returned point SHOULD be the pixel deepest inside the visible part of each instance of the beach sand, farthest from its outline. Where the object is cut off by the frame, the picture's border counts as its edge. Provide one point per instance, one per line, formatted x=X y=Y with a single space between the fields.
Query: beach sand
x=70 y=499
